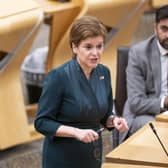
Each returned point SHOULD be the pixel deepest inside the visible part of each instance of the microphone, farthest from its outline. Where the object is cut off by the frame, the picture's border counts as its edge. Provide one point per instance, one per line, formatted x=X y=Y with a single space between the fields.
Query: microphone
x=154 y=130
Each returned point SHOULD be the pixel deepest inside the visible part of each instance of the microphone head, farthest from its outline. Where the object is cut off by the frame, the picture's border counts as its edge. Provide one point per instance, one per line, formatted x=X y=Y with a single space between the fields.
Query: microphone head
x=152 y=127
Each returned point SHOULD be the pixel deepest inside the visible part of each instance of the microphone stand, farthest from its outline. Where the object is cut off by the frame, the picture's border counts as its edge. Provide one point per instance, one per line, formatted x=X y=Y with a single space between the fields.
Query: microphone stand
x=154 y=130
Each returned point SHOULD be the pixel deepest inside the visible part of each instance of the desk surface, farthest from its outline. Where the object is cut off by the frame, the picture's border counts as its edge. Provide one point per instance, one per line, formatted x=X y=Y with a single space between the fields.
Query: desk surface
x=117 y=165
x=162 y=117
x=143 y=147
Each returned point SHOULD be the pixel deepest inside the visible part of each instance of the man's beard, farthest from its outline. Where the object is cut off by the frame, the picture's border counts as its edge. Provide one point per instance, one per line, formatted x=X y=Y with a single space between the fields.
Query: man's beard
x=164 y=43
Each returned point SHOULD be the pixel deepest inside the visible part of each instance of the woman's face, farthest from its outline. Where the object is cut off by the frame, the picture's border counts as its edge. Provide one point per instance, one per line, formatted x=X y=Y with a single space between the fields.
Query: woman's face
x=89 y=51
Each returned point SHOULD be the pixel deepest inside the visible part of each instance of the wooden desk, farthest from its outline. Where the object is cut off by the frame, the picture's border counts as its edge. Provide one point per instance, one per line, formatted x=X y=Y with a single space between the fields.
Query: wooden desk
x=162 y=117
x=117 y=165
x=143 y=148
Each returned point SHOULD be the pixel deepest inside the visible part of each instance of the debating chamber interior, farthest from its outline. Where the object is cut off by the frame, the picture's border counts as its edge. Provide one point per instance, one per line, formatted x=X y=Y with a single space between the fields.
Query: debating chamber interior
x=32 y=27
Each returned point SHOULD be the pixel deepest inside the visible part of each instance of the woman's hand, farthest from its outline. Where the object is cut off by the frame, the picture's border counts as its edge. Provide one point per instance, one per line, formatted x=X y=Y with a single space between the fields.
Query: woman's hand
x=120 y=124
x=86 y=135
x=117 y=122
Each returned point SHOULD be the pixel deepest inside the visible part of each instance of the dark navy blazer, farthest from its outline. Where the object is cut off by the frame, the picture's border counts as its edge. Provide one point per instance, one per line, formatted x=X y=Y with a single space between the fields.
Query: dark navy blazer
x=69 y=98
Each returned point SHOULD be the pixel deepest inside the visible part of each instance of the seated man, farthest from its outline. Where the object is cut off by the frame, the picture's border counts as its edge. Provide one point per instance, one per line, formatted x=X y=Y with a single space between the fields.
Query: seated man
x=147 y=77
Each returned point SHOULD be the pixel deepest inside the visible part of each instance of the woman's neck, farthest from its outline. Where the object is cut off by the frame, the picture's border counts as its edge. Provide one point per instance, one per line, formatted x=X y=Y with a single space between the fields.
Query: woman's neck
x=87 y=71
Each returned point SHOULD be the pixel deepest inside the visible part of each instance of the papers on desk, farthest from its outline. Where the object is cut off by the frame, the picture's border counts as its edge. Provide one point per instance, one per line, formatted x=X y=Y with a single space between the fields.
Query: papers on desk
x=162 y=117
x=165 y=113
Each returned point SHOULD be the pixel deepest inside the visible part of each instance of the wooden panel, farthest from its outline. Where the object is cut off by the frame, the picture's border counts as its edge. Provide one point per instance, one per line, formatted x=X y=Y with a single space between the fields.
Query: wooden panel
x=113 y=165
x=51 y=7
x=14 y=127
x=10 y=8
x=159 y=3
x=143 y=147
x=57 y=31
x=13 y=29
x=61 y=16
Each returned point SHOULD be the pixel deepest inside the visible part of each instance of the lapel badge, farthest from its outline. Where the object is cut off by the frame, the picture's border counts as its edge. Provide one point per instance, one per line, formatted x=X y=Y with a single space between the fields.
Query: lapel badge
x=101 y=78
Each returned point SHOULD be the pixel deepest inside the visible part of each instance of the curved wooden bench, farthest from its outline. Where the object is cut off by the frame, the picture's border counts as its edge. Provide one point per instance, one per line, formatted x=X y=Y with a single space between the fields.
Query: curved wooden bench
x=19 y=23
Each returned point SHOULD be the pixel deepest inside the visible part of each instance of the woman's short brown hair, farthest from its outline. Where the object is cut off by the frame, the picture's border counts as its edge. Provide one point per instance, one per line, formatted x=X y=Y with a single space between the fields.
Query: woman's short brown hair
x=84 y=27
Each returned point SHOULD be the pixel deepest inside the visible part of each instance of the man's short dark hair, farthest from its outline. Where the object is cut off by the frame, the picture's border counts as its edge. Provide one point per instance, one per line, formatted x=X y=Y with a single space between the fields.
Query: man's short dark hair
x=161 y=13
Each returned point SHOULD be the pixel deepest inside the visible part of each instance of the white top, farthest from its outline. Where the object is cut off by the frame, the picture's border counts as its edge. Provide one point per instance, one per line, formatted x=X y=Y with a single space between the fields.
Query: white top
x=164 y=73
x=35 y=62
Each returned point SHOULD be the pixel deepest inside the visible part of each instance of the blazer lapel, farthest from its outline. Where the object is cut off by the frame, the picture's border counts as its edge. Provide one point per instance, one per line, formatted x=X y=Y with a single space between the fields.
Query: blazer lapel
x=88 y=90
x=80 y=82
x=156 y=65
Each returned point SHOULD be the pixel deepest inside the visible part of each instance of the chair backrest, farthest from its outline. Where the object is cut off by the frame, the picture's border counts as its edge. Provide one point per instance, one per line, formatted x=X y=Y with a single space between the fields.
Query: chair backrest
x=121 y=90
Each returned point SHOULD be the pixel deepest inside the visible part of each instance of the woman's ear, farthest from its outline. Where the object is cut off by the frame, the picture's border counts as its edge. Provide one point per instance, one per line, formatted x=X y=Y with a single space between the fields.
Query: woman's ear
x=74 y=48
